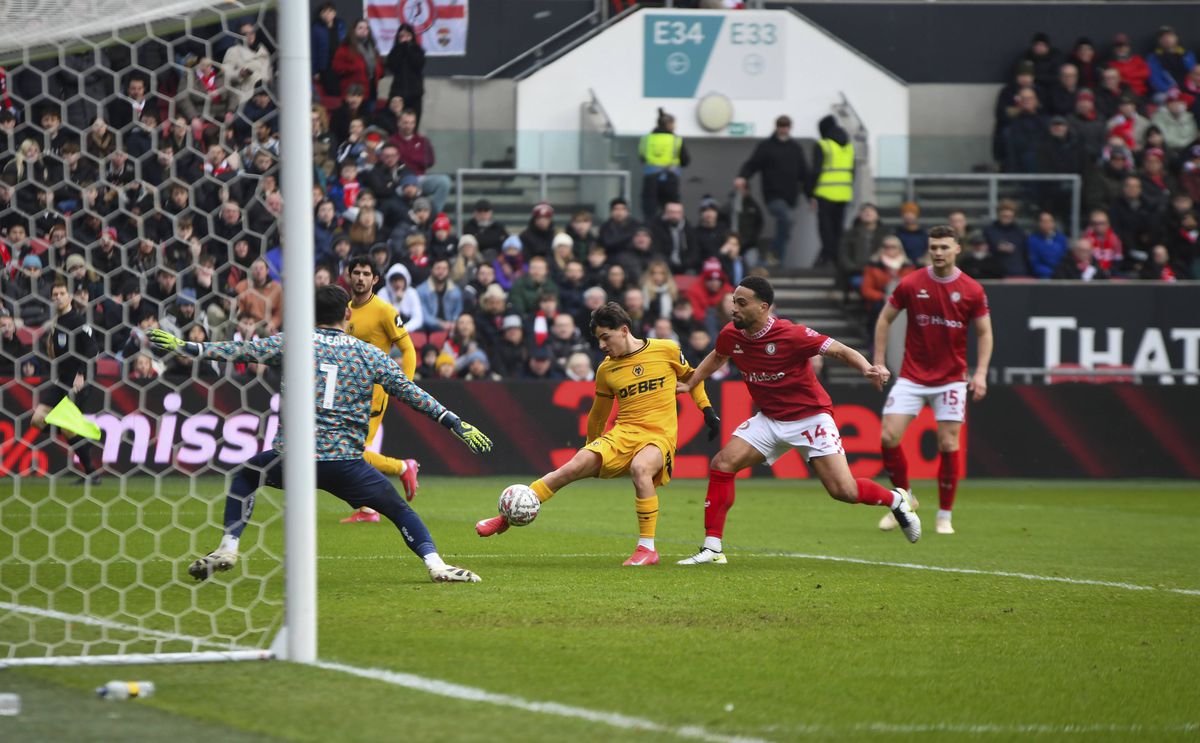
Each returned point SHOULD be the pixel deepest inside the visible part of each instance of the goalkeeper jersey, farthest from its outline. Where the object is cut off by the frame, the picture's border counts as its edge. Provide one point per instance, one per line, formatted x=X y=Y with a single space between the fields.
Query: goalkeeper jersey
x=345 y=369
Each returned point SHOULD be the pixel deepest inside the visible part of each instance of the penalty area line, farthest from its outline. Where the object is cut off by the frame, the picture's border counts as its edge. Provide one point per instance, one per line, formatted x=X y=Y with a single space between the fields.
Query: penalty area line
x=474 y=694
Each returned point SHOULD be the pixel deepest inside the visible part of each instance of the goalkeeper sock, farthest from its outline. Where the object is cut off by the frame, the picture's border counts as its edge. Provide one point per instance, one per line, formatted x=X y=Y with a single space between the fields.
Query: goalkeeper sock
x=387 y=465
x=717 y=503
x=647 y=516
x=947 y=480
x=433 y=561
x=543 y=491
x=896 y=465
x=239 y=504
x=229 y=543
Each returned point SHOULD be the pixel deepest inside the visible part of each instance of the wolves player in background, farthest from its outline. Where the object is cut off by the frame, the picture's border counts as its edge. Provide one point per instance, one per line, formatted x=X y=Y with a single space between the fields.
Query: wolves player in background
x=794 y=412
x=374 y=321
x=642 y=374
x=345 y=369
x=941 y=301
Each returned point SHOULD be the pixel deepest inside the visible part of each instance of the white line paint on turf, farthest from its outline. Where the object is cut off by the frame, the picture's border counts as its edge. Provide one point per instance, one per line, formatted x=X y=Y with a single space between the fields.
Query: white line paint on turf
x=886 y=728
x=473 y=694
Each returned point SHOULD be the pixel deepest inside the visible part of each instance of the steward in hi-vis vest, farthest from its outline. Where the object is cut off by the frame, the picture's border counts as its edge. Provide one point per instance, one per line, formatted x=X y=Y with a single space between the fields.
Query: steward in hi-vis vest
x=663 y=157
x=833 y=187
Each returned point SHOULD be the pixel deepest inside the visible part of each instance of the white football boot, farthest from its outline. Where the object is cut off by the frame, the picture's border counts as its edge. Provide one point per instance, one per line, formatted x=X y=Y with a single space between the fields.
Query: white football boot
x=705 y=557
x=907 y=518
x=451 y=574
x=888 y=522
x=217 y=561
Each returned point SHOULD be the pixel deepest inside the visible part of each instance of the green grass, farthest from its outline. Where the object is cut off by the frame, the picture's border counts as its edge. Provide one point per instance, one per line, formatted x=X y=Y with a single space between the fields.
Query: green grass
x=774 y=645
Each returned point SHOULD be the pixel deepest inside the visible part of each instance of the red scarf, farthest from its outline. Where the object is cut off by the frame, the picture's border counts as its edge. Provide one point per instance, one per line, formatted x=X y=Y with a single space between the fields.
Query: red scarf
x=4 y=99
x=541 y=328
x=209 y=81
x=1167 y=274
x=350 y=192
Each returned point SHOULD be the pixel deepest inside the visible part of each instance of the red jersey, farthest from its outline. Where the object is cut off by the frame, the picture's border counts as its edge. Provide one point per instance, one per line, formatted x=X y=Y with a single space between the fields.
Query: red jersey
x=775 y=367
x=939 y=311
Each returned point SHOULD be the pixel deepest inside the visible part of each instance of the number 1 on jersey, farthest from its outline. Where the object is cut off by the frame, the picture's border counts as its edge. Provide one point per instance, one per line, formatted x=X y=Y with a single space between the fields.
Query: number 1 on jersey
x=331 y=372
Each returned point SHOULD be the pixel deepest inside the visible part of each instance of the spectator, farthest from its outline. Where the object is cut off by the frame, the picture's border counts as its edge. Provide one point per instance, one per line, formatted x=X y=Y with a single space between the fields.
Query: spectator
x=640 y=253
x=571 y=287
x=1062 y=96
x=887 y=266
x=462 y=339
x=416 y=221
x=1177 y=124
x=579 y=368
x=416 y=152
x=1116 y=162
x=28 y=291
x=326 y=227
x=859 y=243
x=674 y=238
x=388 y=117
x=698 y=346
x=562 y=252
x=357 y=62
x=1083 y=56
x=537 y=239
x=582 y=232
x=663 y=157
x=328 y=31
x=618 y=229
x=1080 y=264
x=977 y=260
x=353 y=107
x=707 y=295
x=478 y=368
x=1160 y=267
x=510 y=264
x=204 y=97
x=615 y=282
x=1110 y=93
x=596 y=266
x=528 y=287
x=1157 y=183
x=248 y=64
x=1170 y=63
x=1046 y=60
x=659 y=290
x=538 y=322
x=427 y=369
x=634 y=303
x=963 y=231
x=1183 y=241
x=381 y=257
x=467 y=261
x=663 y=330
x=832 y=185
x=441 y=299
x=1107 y=249
x=1023 y=134
x=1045 y=246
x=482 y=225
x=1133 y=217
x=1060 y=152
x=785 y=175
x=1129 y=125
x=541 y=366
x=445 y=367
x=489 y=315
x=1008 y=107
x=124 y=110
x=13 y=351
x=260 y=297
x=1088 y=127
x=31 y=176
x=1189 y=173
x=730 y=256
x=443 y=243
x=1132 y=68
x=710 y=231
x=1006 y=240
x=911 y=233
x=415 y=257
x=406 y=63
x=510 y=354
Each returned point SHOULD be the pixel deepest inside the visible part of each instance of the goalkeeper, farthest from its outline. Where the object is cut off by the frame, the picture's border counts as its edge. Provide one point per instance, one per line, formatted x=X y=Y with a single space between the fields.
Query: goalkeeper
x=346 y=369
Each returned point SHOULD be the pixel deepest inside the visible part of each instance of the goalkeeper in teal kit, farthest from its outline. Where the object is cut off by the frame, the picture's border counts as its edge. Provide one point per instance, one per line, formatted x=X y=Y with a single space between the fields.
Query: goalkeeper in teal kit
x=346 y=369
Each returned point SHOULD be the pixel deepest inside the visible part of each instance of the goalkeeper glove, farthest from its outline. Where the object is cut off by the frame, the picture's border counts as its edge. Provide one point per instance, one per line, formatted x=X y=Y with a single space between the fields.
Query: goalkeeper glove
x=164 y=341
x=713 y=422
x=475 y=439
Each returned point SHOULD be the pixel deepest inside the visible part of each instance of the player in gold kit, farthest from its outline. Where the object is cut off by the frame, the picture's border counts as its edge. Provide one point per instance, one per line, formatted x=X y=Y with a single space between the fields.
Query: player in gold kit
x=639 y=375
x=373 y=320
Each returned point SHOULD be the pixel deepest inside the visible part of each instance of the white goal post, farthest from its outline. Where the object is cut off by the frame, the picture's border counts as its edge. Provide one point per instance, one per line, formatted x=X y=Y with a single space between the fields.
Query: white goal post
x=96 y=573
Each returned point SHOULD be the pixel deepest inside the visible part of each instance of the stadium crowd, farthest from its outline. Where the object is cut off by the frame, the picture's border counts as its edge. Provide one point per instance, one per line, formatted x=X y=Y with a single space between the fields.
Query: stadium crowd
x=153 y=195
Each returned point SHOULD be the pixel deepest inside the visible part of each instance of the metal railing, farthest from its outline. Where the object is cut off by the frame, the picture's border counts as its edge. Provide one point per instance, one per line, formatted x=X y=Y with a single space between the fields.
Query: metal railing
x=1026 y=375
x=993 y=181
x=543 y=177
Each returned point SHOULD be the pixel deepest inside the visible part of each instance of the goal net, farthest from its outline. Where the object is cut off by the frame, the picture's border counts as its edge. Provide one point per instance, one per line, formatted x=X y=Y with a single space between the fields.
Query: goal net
x=139 y=168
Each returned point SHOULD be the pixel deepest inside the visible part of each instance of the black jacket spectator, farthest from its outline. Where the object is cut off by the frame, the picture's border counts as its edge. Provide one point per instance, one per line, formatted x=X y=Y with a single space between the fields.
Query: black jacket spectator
x=1006 y=241
x=784 y=169
x=406 y=63
x=676 y=241
x=978 y=262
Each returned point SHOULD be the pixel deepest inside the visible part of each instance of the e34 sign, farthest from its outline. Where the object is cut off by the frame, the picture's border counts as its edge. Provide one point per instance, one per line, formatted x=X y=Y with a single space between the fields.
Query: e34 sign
x=740 y=54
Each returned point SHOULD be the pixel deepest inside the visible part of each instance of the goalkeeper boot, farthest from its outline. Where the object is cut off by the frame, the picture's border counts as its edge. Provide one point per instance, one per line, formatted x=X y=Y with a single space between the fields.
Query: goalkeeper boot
x=216 y=561
x=409 y=479
x=361 y=516
x=488 y=527
x=451 y=574
x=907 y=518
x=642 y=556
x=705 y=557
x=888 y=522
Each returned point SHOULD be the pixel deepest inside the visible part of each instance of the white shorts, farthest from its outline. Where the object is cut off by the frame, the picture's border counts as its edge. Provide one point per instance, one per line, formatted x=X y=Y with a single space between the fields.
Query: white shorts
x=815 y=436
x=949 y=401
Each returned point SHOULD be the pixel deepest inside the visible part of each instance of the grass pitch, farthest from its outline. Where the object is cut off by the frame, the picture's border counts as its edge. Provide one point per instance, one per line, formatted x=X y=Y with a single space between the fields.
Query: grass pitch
x=777 y=645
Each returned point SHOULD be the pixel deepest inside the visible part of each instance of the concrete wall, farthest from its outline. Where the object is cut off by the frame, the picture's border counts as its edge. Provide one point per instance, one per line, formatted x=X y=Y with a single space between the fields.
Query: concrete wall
x=950 y=126
x=470 y=122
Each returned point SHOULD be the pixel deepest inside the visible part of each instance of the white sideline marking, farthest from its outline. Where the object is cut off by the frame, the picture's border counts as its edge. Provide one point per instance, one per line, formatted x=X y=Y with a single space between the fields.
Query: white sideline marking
x=109 y=624
x=826 y=558
x=887 y=728
x=473 y=694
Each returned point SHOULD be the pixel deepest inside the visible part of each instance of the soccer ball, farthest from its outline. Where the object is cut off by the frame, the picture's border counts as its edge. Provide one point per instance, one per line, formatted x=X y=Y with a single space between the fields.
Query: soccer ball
x=519 y=505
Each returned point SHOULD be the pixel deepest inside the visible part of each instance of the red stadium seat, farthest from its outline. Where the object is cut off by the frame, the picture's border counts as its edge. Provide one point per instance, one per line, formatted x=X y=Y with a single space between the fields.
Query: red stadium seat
x=419 y=339
x=438 y=338
x=30 y=335
x=108 y=368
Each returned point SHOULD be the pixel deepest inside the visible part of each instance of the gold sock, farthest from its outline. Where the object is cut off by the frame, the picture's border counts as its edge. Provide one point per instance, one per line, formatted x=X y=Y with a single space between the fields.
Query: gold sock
x=386 y=465
x=544 y=493
x=647 y=515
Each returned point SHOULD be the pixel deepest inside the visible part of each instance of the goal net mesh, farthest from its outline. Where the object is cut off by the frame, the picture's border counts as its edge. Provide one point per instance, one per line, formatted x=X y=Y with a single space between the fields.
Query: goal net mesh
x=151 y=206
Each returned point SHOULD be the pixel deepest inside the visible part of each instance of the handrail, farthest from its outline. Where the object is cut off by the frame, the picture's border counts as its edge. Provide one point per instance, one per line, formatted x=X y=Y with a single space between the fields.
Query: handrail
x=581 y=40
x=1028 y=373
x=993 y=180
x=594 y=16
x=541 y=175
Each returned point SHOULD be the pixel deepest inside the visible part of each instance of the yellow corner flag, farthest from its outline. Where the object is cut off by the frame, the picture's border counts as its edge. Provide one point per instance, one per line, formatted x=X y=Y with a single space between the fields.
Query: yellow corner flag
x=68 y=416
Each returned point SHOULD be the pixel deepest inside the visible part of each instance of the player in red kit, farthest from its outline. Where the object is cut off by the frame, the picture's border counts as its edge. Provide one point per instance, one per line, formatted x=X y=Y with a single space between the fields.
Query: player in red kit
x=942 y=302
x=794 y=412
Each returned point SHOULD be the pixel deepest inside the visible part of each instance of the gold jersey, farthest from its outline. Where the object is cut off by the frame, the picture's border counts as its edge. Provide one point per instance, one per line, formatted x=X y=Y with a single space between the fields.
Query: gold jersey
x=643 y=385
x=377 y=322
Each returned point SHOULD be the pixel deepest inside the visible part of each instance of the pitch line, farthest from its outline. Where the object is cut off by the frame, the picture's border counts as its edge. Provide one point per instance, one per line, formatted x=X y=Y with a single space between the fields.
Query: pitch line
x=62 y=616
x=887 y=728
x=474 y=694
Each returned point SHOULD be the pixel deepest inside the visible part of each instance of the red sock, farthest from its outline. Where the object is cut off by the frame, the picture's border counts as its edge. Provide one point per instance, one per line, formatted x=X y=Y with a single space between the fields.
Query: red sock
x=896 y=466
x=873 y=494
x=947 y=480
x=717 y=502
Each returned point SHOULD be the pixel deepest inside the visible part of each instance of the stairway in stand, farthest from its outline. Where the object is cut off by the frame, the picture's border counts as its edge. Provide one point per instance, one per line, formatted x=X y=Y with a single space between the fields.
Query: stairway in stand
x=808 y=297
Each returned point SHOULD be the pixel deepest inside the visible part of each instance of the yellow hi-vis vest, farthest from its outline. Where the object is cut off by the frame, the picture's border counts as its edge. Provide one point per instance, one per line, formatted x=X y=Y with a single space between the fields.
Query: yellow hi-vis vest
x=661 y=149
x=836 y=180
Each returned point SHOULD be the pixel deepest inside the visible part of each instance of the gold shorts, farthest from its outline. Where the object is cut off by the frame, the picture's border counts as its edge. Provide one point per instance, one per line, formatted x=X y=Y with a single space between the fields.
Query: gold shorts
x=618 y=447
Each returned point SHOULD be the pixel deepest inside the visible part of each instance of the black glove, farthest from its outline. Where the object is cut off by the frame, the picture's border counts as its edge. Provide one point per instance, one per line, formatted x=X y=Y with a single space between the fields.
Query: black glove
x=713 y=421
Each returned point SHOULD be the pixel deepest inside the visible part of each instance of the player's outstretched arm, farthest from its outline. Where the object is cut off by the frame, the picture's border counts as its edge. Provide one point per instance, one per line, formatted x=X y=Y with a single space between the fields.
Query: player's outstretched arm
x=258 y=351
x=389 y=376
x=877 y=374
x=983 y=357
x=882 y=326
x=711 y=363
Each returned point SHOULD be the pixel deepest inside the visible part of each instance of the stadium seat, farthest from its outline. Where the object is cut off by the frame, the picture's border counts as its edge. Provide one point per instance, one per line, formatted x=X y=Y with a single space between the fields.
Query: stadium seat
x=419 y=339
x=438 y=338
x=30 y=335
x=108 y=368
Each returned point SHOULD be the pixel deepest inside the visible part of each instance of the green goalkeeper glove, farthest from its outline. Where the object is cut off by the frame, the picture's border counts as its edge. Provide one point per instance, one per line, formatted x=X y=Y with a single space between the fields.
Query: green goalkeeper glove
x=475 y=439
x=164 y=341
